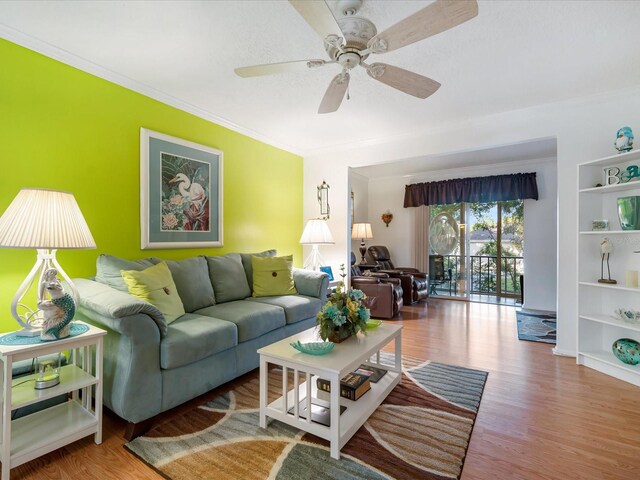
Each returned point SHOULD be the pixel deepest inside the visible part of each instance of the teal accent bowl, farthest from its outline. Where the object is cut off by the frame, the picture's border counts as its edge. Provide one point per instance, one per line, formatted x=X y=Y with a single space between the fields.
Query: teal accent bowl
x=313 y=348
x=627 y=350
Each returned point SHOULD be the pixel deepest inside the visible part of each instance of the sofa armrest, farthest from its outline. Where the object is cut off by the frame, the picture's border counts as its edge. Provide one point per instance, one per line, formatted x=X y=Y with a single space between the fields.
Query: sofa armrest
x=311 y=283
x=132 y=376
x=111 y=305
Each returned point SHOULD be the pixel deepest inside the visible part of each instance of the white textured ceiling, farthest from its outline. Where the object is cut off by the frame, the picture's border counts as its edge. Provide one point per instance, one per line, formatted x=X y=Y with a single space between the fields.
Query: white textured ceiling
x=515 y=54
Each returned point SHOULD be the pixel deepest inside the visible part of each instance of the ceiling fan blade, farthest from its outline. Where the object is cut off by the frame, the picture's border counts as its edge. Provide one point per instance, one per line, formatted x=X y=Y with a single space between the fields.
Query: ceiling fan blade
x=403 y=80
x=273 y=68
x=335 y=93
x=441 y=15
x=319 y=16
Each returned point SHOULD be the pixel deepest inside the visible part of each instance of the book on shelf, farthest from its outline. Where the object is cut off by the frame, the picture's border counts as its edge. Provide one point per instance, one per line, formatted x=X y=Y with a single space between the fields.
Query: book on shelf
x=374 y=373
x=352 y=386
x=319 y=414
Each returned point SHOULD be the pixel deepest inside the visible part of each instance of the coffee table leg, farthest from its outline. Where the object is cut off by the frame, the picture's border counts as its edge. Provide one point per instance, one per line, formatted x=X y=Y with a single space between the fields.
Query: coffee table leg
x=335 y=418
x=264 y=388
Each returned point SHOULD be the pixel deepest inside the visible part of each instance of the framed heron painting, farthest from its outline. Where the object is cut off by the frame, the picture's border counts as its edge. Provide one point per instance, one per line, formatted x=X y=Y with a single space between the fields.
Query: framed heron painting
x=180 y=193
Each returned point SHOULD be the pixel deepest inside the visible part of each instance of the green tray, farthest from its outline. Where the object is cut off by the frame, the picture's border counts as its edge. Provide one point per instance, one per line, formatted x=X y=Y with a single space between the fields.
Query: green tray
x=313 y=348
x=371 y=324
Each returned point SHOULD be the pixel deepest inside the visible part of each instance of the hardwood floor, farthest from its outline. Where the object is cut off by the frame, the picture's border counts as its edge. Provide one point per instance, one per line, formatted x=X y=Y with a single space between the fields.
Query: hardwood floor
x=541 y=416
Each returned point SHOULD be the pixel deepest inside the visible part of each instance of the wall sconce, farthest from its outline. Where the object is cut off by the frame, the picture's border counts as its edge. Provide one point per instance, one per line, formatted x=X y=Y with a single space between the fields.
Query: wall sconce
x=323 y=198
x=387 y=217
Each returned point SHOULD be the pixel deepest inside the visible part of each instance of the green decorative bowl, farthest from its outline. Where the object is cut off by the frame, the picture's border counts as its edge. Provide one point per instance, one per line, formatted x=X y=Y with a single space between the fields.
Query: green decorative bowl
x=371 y=324
x=313 y=348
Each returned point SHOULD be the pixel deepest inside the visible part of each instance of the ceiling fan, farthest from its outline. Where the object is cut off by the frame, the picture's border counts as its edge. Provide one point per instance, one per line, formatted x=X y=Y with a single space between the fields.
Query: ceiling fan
x=350 y=40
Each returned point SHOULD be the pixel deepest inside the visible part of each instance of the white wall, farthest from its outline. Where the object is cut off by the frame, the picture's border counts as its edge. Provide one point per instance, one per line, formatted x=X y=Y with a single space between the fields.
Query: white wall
x=585 y=129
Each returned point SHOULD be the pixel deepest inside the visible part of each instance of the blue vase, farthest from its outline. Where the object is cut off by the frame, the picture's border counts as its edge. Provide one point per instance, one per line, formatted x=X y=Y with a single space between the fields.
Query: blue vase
x=627 y=350
x=628 y=209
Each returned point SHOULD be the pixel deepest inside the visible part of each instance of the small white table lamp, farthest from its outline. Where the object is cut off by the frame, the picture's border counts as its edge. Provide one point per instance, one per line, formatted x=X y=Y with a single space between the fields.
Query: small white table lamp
x=46 y=220
x=316 y=232
x=363 y=232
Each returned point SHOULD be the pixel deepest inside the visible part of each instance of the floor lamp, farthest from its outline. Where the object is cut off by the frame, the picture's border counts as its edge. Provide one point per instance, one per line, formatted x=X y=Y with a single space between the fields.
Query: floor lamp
x=44 y=220
x=363 y=232
x=316 y=232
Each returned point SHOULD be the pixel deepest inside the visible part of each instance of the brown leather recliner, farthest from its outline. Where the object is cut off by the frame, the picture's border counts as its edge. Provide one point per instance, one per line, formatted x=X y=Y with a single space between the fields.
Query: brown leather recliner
x=387 y=291
x=415 y=284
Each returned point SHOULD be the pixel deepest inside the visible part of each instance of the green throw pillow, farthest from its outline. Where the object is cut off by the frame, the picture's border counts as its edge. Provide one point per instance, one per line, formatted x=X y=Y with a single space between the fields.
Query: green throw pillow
x=155 y=285
x=273 y=276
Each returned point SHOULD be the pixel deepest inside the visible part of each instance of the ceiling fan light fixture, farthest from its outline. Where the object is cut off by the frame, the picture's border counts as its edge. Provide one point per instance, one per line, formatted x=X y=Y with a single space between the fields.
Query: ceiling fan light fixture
x=350 y=40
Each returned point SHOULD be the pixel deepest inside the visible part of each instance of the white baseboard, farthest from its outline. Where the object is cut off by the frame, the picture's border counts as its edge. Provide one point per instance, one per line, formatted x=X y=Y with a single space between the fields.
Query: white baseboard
x=563 y=353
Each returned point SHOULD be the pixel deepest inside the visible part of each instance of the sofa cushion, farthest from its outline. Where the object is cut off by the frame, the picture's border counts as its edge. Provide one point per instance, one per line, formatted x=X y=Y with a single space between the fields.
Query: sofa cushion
x=253 y=319
x=191 y=277
x=296 y=307
x=155 y=285
x=194 y=337
x=228 y=278
x=246 y=263
x=273 y=276
x=108 y=269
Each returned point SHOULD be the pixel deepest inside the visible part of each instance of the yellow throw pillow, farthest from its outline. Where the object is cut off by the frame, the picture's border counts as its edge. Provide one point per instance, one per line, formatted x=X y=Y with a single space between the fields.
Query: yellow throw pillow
x=273 y=276
x=155 y=285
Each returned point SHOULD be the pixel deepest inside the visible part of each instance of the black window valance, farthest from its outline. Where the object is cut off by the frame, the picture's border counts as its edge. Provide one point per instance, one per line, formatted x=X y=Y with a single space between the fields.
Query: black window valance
x=494 y=188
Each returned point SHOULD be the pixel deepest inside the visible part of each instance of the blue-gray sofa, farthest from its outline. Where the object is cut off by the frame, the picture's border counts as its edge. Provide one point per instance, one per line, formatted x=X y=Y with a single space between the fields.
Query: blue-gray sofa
x=151 y=366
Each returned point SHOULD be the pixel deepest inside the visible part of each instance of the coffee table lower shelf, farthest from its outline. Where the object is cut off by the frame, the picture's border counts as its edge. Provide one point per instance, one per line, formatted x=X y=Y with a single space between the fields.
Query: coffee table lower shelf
x=306 y=369
x=356 y=413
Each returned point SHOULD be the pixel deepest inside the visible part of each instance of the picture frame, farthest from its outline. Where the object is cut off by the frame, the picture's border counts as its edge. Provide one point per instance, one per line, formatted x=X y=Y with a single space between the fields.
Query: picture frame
x=180 y=193
x=328 y=271
x=599 y=225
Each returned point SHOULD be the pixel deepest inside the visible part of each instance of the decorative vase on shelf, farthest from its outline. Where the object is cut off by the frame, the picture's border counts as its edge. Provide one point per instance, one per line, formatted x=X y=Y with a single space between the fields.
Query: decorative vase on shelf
x=627 y=350
x=628 y=208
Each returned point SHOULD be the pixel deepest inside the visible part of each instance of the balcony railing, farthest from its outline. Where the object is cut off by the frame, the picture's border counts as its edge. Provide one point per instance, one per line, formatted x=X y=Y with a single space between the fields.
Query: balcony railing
x=482 y=274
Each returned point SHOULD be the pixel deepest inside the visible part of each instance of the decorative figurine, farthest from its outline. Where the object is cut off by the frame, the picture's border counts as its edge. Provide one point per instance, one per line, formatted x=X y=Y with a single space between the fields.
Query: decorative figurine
x=387 y=217
x=59 y=311
x=606 y=247
x=624 y=139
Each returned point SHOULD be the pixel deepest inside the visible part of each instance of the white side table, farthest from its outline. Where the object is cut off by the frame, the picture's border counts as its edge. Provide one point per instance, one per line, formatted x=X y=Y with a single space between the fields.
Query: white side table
x=41 y=432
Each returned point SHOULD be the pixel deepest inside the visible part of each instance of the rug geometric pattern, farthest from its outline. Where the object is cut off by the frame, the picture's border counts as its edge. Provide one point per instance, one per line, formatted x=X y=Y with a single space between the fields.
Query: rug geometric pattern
x=421 y=431
x=536 y=327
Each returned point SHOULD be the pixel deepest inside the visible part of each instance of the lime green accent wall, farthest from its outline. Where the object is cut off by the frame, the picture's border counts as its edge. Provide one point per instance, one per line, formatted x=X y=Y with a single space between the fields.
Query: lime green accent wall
x=64 y=129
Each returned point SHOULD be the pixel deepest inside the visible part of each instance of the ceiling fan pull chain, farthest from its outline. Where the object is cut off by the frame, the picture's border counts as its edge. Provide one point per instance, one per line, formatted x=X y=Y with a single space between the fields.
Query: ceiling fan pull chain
x=348 y=96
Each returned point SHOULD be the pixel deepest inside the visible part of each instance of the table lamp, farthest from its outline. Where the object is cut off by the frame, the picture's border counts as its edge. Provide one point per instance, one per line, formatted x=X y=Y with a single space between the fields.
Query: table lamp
x=316 y=232
x=363 y=232
x=46 y=220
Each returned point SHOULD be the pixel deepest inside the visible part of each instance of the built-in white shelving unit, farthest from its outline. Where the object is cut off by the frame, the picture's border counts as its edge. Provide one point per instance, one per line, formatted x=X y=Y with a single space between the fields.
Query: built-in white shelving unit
x=597 y=326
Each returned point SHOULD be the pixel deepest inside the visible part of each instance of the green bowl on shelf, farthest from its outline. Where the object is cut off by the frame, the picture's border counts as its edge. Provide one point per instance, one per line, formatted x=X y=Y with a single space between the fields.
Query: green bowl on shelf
x=313 y=348
x=371 y=324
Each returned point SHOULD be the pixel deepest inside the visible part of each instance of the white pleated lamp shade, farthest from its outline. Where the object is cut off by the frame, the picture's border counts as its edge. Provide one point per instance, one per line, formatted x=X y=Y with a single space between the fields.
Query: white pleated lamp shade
x=316 y=232
x=44 y=219
x=361 y=230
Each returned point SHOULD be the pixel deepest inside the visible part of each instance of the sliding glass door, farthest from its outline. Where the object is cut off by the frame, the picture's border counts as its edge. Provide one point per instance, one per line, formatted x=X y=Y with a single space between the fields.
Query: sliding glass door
x=486 y=262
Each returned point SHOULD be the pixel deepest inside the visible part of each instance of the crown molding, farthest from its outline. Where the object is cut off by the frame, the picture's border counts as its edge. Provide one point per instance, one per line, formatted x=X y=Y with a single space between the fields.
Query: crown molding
x=68 y=58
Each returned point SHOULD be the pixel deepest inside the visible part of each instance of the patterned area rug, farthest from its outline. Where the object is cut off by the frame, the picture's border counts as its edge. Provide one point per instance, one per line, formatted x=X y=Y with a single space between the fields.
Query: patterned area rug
x=536 y=327
x=421 y=431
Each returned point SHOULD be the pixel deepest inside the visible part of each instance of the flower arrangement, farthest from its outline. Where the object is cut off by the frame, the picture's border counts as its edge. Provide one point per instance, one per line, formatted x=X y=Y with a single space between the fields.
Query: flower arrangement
x=344 y=314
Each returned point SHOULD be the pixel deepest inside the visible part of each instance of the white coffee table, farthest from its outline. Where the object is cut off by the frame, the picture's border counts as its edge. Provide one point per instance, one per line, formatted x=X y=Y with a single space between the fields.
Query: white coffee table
x=344 y=358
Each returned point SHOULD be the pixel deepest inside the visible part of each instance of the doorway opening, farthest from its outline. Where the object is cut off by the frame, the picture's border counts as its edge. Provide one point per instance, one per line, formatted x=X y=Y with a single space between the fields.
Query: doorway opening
x=476 y=251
